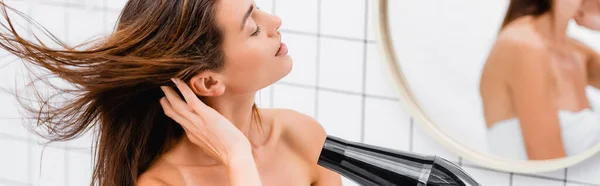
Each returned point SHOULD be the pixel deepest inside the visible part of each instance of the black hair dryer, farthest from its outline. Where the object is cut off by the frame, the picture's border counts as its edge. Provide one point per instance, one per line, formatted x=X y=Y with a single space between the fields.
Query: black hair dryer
x=370 y=165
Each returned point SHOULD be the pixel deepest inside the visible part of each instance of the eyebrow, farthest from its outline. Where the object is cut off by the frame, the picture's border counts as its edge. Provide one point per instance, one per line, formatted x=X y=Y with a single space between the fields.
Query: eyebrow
x=247 y=15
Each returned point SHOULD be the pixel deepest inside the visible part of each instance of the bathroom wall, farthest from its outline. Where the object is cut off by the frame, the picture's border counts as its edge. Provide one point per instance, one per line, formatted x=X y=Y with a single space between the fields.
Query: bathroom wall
x=337 y=78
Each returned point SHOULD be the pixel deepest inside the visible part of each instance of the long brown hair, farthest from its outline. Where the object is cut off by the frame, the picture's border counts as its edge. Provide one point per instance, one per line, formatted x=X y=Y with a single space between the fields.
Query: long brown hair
x=520 y=8
x=117 y=80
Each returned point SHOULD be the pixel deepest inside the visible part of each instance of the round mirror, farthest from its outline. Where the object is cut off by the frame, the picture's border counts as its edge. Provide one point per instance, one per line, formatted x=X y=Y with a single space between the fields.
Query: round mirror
x=511 y=85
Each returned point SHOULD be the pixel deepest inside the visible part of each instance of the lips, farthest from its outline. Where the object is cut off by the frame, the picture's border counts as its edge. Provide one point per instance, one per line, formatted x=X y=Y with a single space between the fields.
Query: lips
x=282 y=50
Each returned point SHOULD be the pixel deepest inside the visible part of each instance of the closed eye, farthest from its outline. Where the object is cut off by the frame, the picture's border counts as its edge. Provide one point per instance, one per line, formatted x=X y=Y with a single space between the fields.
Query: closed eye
x=255 y=33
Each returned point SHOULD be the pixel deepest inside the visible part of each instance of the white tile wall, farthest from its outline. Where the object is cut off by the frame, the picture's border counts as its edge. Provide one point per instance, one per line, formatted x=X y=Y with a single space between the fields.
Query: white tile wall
x=13 y=159
x=587 y=171
x=90 y=19
x=79 y=168
x=383 y=129
x=298 y=15
x=519 y=180
x=337 y=78
x=344 y=122
x=49 y=165
x=344 y=18
x=51 y=17
x=377 y=84
x=301 y=99
x=14 y=127
x=8 y=108
x=423 y=144
x=489 y=178
x=301 y=49
x=341 y=64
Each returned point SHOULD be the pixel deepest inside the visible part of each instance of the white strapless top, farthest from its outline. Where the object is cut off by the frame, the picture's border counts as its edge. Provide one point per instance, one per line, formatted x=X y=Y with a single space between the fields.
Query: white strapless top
x=579 y=130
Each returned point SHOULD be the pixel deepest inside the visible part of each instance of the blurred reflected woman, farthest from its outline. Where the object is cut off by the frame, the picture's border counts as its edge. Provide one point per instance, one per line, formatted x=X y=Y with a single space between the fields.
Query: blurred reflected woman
x=533 y=85
x=200 y=128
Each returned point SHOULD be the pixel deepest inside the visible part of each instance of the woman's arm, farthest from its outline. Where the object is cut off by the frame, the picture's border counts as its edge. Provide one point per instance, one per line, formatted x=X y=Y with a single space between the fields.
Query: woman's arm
x=242 y=170
x=214 y=133
x=530 y=86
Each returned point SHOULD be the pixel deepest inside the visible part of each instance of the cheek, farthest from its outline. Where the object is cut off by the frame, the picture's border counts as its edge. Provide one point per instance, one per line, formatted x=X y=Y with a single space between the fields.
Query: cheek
x=247 y=56
x=255 y=57
x=249 y=63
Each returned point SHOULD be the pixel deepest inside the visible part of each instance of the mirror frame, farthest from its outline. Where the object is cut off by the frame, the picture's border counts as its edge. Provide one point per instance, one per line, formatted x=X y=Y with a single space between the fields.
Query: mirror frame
x=406 y=97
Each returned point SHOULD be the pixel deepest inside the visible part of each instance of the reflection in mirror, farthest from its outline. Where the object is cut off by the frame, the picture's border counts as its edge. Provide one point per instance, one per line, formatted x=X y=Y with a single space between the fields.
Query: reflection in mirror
x=514 y=79
x=533 y=83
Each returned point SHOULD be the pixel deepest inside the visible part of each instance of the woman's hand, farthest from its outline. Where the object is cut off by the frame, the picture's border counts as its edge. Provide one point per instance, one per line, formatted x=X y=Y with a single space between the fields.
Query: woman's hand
x=589 y=14
x=204 y=126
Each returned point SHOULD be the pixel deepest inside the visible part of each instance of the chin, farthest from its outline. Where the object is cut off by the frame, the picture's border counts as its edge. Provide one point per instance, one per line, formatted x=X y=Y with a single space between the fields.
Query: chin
x=288 y=65
x=284 y=69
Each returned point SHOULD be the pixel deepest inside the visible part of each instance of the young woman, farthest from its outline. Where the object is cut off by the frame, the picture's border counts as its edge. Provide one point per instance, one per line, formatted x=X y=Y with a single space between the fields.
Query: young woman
x=171 y=93
x=534 y=81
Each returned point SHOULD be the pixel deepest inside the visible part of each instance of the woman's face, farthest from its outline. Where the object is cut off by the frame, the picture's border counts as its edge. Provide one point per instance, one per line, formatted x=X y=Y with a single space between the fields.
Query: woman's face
x=252 y=43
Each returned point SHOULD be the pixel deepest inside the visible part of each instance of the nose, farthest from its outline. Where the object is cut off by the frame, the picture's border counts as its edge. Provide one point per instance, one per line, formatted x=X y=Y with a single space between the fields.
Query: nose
x=275 y=24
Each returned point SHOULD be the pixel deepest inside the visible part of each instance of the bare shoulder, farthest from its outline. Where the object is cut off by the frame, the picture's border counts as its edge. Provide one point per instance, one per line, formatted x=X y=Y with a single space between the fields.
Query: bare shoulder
x=521 y=33
x=515 y=39
x=301 y=132
x=306 y=136
x=521 y=49
x=520 y=38
x=515 y=45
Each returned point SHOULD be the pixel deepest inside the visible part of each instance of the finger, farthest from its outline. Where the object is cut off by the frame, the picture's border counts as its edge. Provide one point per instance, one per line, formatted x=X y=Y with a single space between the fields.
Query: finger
x=177 y=107
x=186 y=124
x=171 y=113
x=180 y=107
x=175 y=100
x=190 y=97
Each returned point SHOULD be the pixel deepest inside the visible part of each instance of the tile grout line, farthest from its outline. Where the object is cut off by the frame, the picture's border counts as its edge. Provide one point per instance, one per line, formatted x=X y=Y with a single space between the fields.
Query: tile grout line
x=343 y=38
x=273 y=7
x=510 y=179
x=317 y=60
x=364 y=76
x=565 y=180
x=298 y=85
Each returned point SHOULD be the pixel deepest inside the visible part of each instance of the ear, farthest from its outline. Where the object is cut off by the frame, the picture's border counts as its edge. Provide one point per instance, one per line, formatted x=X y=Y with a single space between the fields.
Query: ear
x=208 y=84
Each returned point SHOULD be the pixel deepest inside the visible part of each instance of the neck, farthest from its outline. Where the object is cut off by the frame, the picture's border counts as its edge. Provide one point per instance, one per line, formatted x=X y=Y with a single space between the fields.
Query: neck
x=238 y=110
x=553 y=26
